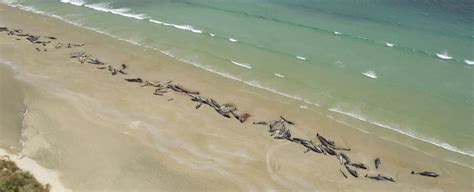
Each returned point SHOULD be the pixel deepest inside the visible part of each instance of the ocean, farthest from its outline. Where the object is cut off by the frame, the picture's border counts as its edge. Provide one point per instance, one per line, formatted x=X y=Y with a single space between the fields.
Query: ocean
x=400 y=67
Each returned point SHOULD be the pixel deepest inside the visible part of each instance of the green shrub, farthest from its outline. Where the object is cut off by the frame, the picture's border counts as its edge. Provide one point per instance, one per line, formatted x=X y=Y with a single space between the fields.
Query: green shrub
x=13 y=179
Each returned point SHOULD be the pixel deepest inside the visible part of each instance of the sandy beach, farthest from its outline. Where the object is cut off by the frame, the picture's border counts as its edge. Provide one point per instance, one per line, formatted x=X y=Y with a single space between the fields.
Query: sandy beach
x=97 y=132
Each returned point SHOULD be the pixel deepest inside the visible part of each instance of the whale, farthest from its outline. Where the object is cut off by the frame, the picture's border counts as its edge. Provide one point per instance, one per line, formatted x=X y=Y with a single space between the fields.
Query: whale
x=379 y=177
x=299 y=140
x=325 y=141
x=353 y=172
x=377 y=163
x=329 y=150
x=134 y=80
x=426 y=173
x=346 y=158
x=287 y=121
x=359 y=165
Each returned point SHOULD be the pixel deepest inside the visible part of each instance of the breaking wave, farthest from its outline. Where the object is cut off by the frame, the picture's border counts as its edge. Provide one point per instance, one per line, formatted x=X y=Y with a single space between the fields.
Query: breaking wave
x=279 y=75
x=105 y=7
x=319 y=29
x=370 y=74
x=181 y=27
x=74 y=2
x=409 y=133
x=244 y=65
x=301 y=58
x=469 y=62
x=251 y=82
x=444 y=56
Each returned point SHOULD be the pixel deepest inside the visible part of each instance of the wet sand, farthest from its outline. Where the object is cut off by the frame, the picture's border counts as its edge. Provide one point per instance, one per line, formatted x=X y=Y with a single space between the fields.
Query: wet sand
x=101 y=133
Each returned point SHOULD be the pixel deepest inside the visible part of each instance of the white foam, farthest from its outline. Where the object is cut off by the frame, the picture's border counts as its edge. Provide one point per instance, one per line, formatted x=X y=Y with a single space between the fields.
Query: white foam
x=105 y=7
x=389 y=44
x=75 y=2
x=409 y=133
x=230 y=76
x=181 y=27
x=444 y=56
x=186 y=28
x=232 y=40
x=205 y=67
x=303 y=107
x=8 y=1
x=279 y=75
x=212 y=34
x=244 y=65
x=337 y=33
x=30 y=9
x=370 y=74
x=34 y=10
x=301 y=58
x=469 y=62
x=42 y=174
x=155 y=21
x=251 y=83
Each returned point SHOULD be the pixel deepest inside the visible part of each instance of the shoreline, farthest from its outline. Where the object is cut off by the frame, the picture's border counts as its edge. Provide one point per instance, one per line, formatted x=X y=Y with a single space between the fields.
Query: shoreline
x=248 y=102
x=302 y=102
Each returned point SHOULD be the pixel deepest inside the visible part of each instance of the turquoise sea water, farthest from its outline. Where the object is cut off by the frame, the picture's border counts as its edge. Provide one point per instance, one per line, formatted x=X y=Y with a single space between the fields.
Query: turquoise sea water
x=403 y=66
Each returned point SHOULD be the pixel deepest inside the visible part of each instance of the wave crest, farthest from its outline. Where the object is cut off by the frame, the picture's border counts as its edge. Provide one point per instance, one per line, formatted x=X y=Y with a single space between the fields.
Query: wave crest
x=105 y=7
x=244 y=65
x=74 y=2
x=258 y=85
x=409 y=133
x=181 y=27
x=370 y=74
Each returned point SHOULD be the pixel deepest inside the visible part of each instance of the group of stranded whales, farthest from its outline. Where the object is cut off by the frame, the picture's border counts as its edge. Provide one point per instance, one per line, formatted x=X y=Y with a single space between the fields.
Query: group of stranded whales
x=227 y=109
x=37 y=39
x=279 y=128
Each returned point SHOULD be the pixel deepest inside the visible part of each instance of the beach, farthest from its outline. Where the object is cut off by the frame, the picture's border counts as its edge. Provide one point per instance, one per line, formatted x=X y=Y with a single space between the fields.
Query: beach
x=98 y=132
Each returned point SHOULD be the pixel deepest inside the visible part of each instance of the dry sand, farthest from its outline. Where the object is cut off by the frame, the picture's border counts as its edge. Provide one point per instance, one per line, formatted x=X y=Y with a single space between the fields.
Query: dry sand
x=101 y=133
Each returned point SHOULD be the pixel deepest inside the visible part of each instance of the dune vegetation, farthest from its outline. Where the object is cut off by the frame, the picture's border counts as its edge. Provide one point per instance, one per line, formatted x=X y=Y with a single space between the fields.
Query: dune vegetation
x=13 y=178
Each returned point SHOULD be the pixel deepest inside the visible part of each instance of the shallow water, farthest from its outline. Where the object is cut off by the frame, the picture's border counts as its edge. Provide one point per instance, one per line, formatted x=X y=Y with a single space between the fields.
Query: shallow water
x=322 y=52
x=120 y=131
